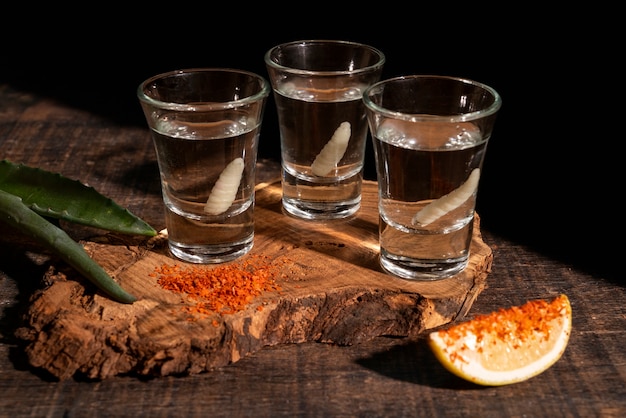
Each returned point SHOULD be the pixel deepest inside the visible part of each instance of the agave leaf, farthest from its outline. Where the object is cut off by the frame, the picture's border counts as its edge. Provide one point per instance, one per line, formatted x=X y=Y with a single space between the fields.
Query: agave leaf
x=18 y=215
x=53 y=195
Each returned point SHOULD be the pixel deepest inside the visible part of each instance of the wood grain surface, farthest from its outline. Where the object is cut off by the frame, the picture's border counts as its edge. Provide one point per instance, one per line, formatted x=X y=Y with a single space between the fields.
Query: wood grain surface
x=332 y=290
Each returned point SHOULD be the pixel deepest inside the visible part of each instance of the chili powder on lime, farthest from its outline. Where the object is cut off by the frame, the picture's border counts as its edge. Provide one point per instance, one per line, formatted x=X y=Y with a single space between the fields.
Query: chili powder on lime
x=513 y=325
x=223 y=289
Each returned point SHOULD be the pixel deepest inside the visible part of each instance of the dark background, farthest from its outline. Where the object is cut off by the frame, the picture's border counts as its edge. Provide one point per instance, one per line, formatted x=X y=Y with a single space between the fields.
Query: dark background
x=549 y=180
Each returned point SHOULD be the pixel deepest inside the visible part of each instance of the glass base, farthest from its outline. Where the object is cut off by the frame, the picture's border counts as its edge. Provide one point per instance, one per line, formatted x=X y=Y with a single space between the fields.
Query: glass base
x=422 y=269
x=320 y=211
x=205 y=254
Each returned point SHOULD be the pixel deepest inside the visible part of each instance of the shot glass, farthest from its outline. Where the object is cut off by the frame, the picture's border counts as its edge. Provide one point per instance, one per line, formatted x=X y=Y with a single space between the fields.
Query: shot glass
x=205 y=125
x=318 y=87
x=430 y=135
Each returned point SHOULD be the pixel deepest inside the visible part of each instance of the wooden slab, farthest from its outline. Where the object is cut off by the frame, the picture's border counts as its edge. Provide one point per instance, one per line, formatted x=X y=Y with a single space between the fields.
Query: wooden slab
x=333 y=291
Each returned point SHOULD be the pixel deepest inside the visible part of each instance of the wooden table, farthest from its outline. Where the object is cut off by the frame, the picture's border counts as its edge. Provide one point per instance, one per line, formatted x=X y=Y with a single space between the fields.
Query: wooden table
x=382 y=377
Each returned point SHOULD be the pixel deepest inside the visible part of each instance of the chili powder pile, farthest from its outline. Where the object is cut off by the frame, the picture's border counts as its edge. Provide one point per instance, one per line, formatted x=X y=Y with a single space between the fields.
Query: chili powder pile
x=223 y=289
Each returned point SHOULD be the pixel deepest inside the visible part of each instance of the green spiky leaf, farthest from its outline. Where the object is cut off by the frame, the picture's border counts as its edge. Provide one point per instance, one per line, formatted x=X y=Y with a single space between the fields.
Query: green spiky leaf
x=53 y=195
x=15 y=213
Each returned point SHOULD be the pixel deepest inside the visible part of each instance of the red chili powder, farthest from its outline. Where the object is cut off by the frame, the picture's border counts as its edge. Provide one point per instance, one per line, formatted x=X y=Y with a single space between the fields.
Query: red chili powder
x=223 y=289
x=515 y=324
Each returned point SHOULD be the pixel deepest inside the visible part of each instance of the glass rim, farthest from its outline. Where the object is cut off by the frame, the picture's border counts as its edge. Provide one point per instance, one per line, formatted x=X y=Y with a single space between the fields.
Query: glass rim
x=417 y=117
x=263 y=93
x=299 y=71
